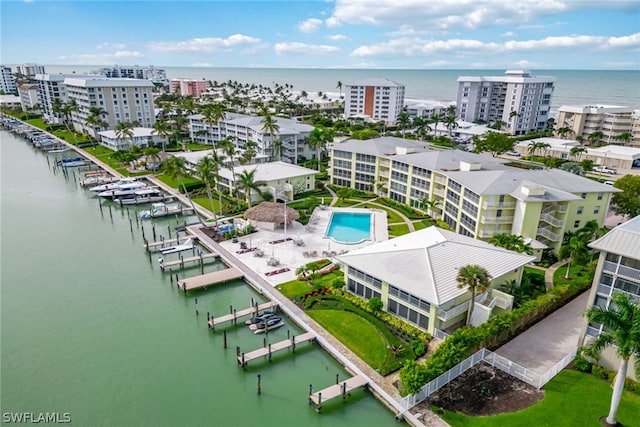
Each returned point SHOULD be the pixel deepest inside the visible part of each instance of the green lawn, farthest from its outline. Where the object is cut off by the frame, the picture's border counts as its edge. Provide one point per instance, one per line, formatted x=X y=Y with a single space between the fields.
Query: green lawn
x=398 y=229
x=356 y=333
x=299 y=288
x=578 y=275
x=571 y=399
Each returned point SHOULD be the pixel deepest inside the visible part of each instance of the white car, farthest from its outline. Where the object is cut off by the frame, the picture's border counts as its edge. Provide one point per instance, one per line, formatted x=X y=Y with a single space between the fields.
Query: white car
x=513 y=153
x=604 y=169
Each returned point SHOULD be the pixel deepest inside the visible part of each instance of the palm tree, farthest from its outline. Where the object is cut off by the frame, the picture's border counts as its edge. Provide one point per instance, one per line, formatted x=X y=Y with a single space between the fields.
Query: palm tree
x=68 y=109
x=339 y=86
x=162 y=129
x=621 y=328
x=451 y=123
x=576 y=152
x=435 y=119
x=512 y=242
x=575 y=248
x=246 y=182
x=212 y=115
x=318 y=139
x=563 y=131
x=595 y=137
x=429 y=203
x=57 y=107
x=206 y=170
x=95 y=119
x=152 y=153
x=421 y=126
x=176 y=168
x=276 y=149
x=625 y=137
x=512 y=117
x=270 y=126
x=475 y=279
x=229 y=150
x=404 y=121
x=124 y=130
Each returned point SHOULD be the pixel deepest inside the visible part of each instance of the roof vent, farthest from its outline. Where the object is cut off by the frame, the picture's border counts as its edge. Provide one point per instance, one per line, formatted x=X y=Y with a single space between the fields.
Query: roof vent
x=469 y=166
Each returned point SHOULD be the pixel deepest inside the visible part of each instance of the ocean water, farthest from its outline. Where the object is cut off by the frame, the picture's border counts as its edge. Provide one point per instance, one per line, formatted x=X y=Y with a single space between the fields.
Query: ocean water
x=612 y=87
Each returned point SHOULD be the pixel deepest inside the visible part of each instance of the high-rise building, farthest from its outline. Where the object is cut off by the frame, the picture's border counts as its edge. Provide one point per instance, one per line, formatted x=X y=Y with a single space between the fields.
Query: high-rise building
x=30 y=70
x=609 y=121
x=618 y=270
x=156 y=75
x=28 y=96
x=186 y=87
x=7 y=81
x=376 y=98
x=518 y=99
x=51 y=88
x=123 y=100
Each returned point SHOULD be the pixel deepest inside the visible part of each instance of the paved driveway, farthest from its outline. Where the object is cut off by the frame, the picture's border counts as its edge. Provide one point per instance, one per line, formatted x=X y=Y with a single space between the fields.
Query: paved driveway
x=546 y=343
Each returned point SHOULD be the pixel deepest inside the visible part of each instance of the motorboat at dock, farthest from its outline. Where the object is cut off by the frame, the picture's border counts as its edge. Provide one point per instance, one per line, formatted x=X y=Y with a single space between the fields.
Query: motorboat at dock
x=140 y=197
x=184 y=246
x=162 y=209
x=122 y=184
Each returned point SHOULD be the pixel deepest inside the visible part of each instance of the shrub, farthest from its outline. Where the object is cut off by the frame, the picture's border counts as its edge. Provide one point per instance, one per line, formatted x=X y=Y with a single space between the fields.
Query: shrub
x=419 y=348
x=581 y=364
x=600 y=372
x=338 y=283
x=375 y=304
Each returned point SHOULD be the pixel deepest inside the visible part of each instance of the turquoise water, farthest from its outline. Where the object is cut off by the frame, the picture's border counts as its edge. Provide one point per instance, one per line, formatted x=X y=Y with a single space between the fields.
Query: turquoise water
x=92 y=327
x=349 y=227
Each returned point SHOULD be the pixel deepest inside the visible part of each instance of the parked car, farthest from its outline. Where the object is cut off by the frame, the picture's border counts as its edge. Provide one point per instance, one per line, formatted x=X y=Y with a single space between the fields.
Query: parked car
x=608 y=183
x=605 y=169
x=513 y=153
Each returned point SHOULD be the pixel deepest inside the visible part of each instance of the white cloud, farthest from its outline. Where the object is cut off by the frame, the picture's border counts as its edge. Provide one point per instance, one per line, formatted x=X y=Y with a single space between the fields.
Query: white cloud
x=100 y=58
x=108 y=45
x=253 y=49
x=508 y=34
x=421 y=14
x=338 y=37
x=204 y=44
x=310 y=25
x=416 y=46
x=303 y=48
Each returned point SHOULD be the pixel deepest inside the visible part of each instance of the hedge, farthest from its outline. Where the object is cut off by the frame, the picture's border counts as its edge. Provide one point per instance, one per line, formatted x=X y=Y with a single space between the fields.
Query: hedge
x=491 y=334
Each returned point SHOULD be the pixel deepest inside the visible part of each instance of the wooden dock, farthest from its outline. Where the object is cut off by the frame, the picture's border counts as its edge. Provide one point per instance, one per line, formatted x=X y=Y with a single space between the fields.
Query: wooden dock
x=340 y=389
x=208 y=279
x=182 y=261
x=158 y=245
x=234 y=315
x=244 y=358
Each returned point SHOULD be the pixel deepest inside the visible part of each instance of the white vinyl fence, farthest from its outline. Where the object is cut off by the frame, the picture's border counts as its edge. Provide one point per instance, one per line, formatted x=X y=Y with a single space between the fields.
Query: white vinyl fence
x=493 y=359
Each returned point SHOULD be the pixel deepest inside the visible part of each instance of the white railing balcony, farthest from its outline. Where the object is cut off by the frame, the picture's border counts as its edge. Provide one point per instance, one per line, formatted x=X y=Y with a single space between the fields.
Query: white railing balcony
x=439 y=191
x=486 y=233
x=454 y=312
x=554 y=237
x=498 y=205
x=554 y=208
x=550 y=219
x=384 y=173
x=497 y=219
x=384 y=163
x=604 y=289
x=610 y=267
x=632 y=273
x=441 y=180
x=593 y=332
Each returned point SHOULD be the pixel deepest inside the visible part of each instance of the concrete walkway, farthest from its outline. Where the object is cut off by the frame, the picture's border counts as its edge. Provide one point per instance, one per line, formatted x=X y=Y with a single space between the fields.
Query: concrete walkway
x=543 y=345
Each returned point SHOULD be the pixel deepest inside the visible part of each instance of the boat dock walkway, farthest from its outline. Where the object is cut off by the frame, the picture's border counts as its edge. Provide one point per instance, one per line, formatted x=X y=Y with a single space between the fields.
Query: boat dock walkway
x=164 y=265
x=234 y=315
x=340 y=389
x=207 y=279
x=158 y=245
x=244 y=358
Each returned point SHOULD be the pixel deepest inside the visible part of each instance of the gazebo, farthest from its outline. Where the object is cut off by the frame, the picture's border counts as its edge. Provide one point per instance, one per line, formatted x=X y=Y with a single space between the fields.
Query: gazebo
x=271 y=215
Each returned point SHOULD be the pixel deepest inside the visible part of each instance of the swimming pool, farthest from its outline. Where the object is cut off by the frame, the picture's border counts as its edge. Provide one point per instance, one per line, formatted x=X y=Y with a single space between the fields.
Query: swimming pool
x=349 y=227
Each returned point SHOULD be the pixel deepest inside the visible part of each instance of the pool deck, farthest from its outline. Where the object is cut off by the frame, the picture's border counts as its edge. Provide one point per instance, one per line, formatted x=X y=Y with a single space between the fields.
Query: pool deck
x=292 y=256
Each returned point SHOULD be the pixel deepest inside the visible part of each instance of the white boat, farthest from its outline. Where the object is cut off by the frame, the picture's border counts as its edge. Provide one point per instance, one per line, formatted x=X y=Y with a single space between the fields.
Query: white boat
x=124 y=182
x=123 y=190
x=272 y=323
x=140 y=197
x=161 y=209
x=184 y=246
x=72 y=162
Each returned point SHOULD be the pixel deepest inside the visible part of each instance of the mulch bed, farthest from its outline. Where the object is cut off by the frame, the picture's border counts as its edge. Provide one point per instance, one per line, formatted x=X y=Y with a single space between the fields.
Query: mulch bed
x=485 y=390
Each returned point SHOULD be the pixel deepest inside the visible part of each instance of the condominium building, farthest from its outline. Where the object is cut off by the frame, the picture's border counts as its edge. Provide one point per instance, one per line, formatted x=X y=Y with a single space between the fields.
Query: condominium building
x=7 y=81
x=618 y=270
x=50 y=88
x=141 y=137
x=610 y=121
x=123 y=100
x=186 y=87
x=30 y=70
x=376 y=98
x=518 y=99
x=415 y=277
x=426 y=108
x=28 y=94
x=475 y=195
x=240 y=128
x=156 y=75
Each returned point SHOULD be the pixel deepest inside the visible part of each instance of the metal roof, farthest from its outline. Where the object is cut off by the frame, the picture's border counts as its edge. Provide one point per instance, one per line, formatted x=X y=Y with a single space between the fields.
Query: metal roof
x=622 y=240
x=425 y=263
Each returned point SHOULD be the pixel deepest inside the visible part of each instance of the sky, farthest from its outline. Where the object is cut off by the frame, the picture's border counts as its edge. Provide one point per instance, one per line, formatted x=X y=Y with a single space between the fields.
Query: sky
x=400 y=34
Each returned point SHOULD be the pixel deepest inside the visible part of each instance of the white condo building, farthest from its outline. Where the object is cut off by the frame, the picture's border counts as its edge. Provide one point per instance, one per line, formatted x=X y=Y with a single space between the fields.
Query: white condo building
x=28 y=94
x=7 y=81
x=30 y=70
x=123 y=100
x=611 y=120
x=156 y=75
x=518 y=99
x=375 y=98
x=50 y=88
x=241 y=128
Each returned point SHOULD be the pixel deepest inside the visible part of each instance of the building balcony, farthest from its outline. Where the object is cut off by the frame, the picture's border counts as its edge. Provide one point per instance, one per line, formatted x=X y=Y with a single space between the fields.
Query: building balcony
x=445 y=315
x=554 y=208
x=485 y=234
x=442 y=180
x=496 y=219
x=439 y=192
x=552 y=220
x=550 y=235
x=621 y=270
x=498 y=205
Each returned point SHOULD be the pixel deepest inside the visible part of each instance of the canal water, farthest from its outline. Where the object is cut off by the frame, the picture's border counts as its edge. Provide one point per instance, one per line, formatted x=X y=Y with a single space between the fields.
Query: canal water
x=93 y=328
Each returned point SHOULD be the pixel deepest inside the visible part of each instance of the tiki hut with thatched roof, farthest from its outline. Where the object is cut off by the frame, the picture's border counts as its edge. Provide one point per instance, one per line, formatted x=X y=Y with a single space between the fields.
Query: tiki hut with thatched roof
x=270 y=215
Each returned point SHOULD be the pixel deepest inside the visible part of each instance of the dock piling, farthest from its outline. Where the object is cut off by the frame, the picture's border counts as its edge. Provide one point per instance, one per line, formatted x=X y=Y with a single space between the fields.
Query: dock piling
x=235 y=318
x=264 y=341
x=197 y=307
x=344 y=390
x=153 y=228
x=169 y=230
x=269 y=352
x=337 y=378
x=259 y=386
x=224 y=338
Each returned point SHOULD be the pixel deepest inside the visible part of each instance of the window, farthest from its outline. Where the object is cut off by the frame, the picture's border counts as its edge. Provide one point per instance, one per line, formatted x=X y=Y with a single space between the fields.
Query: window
x=576 y=224
x=600 y=196
x=583 y=195
x=596 y=210
x=580 y=209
